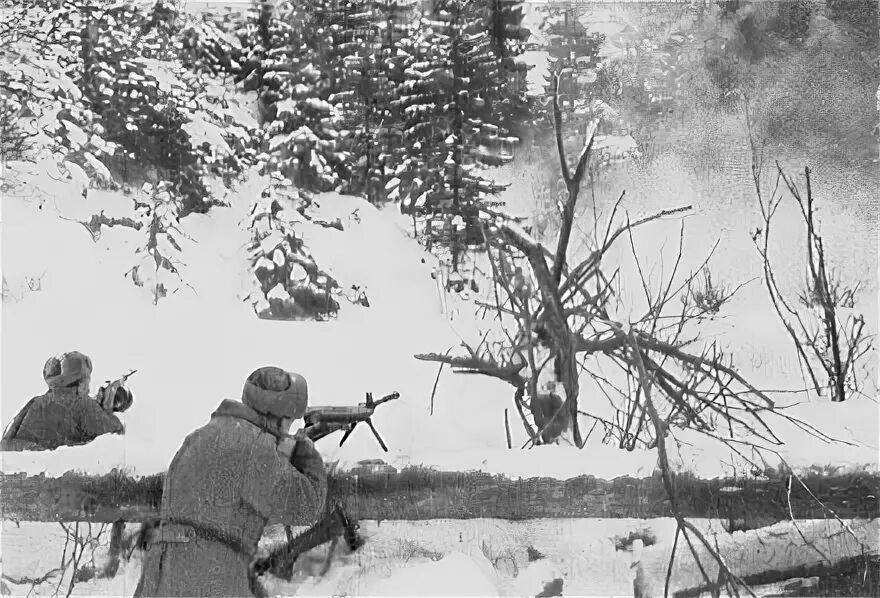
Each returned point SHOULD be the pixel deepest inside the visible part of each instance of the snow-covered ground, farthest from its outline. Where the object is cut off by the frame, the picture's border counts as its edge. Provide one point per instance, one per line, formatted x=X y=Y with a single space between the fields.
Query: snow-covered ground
x=198 y=345
x=482 y=557
x=64 y=291
x=581 y=552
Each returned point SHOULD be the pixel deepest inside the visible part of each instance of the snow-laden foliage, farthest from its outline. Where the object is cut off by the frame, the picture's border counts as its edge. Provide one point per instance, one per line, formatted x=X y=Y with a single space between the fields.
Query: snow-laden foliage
x=205 y=46
x=111 y=106
x=15 y=139
x=159 y=257
x=367 y=98
x=454 y=109
x=287 y=283
x=285 y=61
x=355 y=96
x=573 y=54
x=361 y=97
x=116 y=95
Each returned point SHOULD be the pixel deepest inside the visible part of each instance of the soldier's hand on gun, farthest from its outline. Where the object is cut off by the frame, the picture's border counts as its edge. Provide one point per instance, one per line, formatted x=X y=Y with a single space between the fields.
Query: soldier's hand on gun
x=305 y=456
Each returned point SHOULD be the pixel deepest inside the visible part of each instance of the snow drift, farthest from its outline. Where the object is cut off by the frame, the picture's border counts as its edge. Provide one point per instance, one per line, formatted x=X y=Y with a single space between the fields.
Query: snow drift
x=488 y=557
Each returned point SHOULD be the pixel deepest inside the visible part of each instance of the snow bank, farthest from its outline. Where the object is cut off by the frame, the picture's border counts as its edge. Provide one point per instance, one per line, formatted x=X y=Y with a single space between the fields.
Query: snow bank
x=456 y=574
x=774 y=548
x=488 y=557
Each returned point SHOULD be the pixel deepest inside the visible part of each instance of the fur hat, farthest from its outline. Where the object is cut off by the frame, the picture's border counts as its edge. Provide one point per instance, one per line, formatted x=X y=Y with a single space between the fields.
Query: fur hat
x=67 y=369
x=272 y=391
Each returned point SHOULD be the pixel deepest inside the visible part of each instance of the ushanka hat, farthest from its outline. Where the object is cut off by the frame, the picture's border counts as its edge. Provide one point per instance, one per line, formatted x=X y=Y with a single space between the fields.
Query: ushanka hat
x=275 y=392
x=67 y=369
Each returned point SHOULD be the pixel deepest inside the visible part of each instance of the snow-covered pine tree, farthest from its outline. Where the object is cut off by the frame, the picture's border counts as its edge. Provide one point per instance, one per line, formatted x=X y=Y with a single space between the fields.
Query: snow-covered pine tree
x=143 y=114
x=287 y=284
x=360 y=89
x=113 y=110
x=573 y=54
x=397 y=25
x=420 y=107
x=467 y=132
x=477 y=75
x=508 y=35
x=255 y=34
x=286 y=48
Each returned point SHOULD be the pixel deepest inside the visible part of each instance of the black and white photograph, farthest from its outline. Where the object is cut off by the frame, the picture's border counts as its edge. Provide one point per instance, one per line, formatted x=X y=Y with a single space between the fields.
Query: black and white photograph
x=525 y=298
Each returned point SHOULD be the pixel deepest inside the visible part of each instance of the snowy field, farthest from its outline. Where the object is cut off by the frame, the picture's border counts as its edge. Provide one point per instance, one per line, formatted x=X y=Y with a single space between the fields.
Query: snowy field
x=64 y=292
x=198 y=345
x=482 y=557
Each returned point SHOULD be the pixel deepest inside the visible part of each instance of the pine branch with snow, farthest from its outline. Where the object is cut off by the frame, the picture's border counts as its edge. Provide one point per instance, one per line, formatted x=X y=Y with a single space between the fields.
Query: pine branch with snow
x=286 y=281
x=286 y=49
x=452 y=126
x=159 y=257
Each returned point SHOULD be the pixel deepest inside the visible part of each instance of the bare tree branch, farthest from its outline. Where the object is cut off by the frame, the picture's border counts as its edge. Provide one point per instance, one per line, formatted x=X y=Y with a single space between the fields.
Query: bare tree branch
x=557 y=121
x=663 y=461
x=509 y=374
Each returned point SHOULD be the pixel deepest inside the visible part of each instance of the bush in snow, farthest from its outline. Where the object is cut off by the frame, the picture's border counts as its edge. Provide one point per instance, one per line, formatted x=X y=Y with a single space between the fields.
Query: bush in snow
x=118 y=108
x=15 y=142
x=284 y=60
x=288 y=283
x=158 y=263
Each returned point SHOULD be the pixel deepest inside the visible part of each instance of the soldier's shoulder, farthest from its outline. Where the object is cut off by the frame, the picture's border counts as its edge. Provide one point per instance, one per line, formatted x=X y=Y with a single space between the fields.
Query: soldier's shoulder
x=46 y=397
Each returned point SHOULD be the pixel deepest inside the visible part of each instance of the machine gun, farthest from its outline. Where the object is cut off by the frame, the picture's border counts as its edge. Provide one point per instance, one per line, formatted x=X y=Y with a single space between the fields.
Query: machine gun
x=323 y=421
x=336 y=523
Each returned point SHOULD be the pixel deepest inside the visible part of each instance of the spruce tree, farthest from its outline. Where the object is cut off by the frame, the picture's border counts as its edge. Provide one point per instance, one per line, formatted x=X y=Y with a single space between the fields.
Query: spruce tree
x=508 y=35
x=287 y=63
x=572 y=51
x=396 y=25
x=455 y=108
x=359 y=85
x=419 y=107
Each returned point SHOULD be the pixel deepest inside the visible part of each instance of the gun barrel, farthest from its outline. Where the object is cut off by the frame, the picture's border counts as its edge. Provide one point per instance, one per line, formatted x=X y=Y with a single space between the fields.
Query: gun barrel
x=385 y=399
x=338 y=415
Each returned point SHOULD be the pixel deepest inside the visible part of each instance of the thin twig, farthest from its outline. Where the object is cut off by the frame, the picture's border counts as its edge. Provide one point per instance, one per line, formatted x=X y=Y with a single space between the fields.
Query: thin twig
x=671 y=561
x=437 y=378
x=796 y=526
